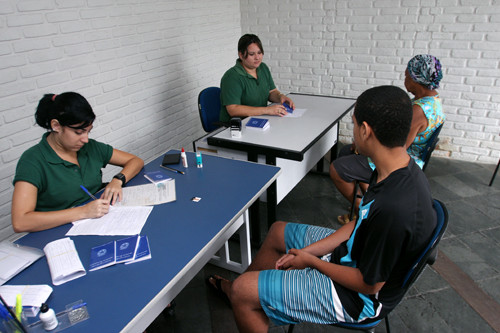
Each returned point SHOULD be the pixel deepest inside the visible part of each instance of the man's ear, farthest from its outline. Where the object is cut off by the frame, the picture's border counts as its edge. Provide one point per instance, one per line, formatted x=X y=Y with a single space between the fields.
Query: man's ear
x=365 y=130
x=55 y=125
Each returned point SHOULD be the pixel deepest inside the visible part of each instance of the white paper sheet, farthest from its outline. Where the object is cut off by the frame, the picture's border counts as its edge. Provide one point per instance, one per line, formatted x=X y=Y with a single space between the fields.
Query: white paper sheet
x=296 y=113
x=14 y=258
x=148 y=194
x=32 y=295
x=64 y=262
x=120 y=220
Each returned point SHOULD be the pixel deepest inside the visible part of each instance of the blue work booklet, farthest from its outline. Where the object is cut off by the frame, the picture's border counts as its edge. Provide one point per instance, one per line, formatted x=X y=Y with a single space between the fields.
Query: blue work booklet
x=258 y=123
x=126 y=250
x=102 y=256
x=142 y=252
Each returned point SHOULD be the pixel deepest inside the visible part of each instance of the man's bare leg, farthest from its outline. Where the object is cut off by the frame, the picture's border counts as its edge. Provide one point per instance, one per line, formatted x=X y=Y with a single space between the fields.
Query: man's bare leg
x=247 y=310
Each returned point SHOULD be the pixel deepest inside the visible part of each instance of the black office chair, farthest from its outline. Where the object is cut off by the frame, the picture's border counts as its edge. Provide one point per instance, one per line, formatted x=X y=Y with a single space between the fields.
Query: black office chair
x=209 y=108
x=428 y=257
x=494 y=174
x=431 y=145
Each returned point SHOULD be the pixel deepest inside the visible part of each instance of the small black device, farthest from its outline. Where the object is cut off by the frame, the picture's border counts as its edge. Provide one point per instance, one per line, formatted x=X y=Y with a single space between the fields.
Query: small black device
x=235 y=127
x=173 y=158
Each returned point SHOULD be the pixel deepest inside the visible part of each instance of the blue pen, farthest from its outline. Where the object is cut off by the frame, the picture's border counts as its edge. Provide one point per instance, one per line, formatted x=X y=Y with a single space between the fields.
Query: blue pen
x=87 y=191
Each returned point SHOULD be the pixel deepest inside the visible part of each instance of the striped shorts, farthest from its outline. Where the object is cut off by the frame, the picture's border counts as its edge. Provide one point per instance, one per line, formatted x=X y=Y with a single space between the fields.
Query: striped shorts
x=306 y=295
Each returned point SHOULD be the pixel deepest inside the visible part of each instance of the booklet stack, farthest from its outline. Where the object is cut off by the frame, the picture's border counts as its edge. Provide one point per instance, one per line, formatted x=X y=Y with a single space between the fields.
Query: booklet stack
x=258 y=123
x=127 y=250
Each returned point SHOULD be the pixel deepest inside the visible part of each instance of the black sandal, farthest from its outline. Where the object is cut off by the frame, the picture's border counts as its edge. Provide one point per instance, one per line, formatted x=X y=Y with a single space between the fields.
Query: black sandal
x=218 y=288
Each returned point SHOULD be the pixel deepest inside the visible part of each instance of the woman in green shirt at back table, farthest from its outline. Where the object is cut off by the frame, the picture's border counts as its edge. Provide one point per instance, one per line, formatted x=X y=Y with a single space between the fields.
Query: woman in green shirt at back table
x=47 y=190
x=248 y=86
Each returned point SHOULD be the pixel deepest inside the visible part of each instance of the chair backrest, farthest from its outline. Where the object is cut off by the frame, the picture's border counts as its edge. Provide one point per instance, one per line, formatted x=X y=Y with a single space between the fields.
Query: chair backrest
x=209 y=108
x=431 y=144
x=429 y=255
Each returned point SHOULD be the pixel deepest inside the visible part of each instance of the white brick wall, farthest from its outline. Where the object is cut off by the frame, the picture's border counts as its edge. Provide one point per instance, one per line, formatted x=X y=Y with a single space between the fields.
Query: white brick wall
x=344 y=47
x=141 y=65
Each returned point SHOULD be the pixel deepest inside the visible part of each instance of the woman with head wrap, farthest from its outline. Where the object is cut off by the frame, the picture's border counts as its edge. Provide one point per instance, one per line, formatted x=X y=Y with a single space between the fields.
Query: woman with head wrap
x=422 y=77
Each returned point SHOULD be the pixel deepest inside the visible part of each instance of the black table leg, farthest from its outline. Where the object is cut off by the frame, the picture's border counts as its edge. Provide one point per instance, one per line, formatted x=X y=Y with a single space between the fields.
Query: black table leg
x=254 y=213
x=272 y=196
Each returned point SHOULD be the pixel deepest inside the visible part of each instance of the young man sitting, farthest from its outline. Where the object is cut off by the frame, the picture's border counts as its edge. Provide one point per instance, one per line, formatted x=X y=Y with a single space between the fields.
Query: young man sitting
x=307 y=273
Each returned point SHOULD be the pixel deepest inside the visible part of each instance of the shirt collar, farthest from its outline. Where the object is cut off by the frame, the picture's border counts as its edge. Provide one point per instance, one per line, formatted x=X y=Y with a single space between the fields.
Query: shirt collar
x=52 y=157
x=241 y=70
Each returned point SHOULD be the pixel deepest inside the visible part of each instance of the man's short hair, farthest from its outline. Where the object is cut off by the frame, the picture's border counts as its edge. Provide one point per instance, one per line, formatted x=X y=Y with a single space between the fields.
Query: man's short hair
x=388 y=110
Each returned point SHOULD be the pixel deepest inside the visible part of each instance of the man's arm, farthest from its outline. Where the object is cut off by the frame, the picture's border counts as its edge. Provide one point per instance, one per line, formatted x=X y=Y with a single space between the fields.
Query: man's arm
x=348 y=277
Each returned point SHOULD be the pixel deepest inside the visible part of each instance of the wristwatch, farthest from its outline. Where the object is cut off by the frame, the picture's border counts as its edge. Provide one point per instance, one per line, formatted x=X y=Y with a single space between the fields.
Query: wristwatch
x=120 y=176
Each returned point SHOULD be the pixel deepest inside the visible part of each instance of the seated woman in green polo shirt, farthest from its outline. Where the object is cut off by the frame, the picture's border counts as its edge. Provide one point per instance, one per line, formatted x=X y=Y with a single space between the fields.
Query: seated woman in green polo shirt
x=47 y=190
x=248 y=86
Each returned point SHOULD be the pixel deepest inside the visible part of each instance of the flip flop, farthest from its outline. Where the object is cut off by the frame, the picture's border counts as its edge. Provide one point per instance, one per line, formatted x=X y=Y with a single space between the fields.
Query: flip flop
x=218 y=288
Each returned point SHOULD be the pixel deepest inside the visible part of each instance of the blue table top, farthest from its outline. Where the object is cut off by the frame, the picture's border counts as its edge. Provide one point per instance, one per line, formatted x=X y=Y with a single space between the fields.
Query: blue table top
x=177 y=231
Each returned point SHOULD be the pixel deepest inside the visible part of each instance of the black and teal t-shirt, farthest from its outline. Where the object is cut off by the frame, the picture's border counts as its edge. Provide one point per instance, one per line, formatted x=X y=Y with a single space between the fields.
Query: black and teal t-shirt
x=58 y=181
x=396 y=222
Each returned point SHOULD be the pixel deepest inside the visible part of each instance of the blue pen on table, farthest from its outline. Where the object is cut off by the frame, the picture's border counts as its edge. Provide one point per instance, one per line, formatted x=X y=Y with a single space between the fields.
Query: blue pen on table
x=74 y=307
x=172 y=169
x=87 y=191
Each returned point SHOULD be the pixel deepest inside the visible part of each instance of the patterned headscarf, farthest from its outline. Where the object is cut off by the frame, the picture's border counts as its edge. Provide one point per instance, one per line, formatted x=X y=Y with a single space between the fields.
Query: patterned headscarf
x=425 y=69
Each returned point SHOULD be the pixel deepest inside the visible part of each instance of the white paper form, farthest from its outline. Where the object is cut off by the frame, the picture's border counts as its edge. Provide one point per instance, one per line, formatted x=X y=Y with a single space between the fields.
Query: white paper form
x=64 y=262
x=32 y=295
x=296 y=113
x=14 y=258
x=120 y=220
x=148 y=194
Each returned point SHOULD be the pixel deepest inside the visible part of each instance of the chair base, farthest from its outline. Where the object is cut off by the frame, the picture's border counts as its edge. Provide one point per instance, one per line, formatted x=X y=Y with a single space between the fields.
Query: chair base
x=494 y=174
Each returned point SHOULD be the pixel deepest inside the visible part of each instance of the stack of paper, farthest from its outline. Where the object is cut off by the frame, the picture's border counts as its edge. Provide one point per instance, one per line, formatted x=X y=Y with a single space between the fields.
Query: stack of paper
x=14 y=258
x=126 y=250
x=32 y=297
x=64 y=262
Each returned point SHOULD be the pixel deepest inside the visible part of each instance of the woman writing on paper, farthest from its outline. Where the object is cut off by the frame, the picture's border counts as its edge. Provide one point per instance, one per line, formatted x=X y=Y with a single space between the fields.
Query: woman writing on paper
x=247 y=87
x=49 y=175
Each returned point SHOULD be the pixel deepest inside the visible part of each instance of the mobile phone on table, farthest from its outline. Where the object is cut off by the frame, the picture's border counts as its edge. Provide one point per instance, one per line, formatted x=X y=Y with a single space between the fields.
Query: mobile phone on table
x=172 y=158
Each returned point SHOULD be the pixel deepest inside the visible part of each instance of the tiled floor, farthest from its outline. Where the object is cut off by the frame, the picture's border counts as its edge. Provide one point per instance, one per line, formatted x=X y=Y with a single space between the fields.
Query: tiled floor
x=472 y=242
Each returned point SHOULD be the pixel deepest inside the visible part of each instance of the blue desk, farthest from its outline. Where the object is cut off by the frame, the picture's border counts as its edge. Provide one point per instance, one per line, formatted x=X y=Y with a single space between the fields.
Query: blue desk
x=183 y=235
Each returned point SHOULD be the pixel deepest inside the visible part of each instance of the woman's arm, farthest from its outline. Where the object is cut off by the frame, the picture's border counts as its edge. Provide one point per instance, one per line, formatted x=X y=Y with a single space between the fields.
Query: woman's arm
x=276 y=96
x=236 y=110
x=26 y=219
x=419 y=123
x=131 y=166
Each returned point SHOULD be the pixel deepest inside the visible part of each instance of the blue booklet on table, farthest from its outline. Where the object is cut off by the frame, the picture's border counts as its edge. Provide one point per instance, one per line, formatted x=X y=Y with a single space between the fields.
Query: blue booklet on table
x=125 y=248
x=258 y=123
x=102 y=256
x=288 y=108
x=143 y=251
x=156 y=177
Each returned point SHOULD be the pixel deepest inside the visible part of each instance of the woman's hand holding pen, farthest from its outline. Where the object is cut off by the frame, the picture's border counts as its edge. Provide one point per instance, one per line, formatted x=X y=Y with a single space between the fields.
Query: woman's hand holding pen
x=113 y=192
x=96 y=208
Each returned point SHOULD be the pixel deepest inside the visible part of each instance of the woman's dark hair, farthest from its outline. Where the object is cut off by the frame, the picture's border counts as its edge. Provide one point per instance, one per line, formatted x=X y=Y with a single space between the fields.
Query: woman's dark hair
x=69 y=109
x=245 y=41
x=388 y=110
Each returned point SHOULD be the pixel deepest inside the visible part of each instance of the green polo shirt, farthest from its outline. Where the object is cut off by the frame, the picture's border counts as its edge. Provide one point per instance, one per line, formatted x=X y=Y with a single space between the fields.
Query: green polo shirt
x=58 y=181
x=239 y=87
